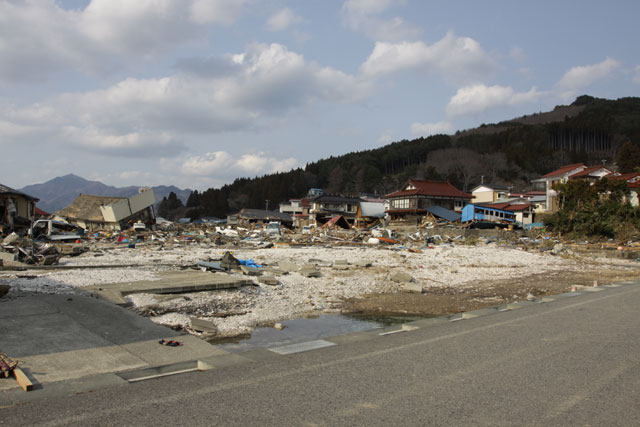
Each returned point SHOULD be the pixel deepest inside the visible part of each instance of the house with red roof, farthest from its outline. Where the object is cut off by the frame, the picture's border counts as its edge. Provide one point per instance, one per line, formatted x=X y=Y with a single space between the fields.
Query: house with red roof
x=410 y=203
x=565 y=173
x=633 y=183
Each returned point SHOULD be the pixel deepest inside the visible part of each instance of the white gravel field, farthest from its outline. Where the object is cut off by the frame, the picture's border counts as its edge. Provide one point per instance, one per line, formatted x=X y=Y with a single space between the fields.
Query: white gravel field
x=444 y=265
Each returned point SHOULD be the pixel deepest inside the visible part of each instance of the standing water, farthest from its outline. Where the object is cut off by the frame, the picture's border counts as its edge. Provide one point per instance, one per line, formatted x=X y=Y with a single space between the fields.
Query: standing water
x=308 y=329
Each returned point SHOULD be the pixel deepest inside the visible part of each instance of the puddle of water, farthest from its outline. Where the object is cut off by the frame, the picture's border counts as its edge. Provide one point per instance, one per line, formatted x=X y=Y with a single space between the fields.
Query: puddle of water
x=308 y=329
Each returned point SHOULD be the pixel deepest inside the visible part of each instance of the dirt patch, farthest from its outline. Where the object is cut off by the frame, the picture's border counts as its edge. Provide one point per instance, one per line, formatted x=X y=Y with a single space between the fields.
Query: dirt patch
x=440 y=301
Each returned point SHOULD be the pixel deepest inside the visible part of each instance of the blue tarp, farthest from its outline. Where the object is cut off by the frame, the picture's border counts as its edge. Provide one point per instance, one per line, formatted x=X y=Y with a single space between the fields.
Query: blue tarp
x=249 y=263
x=443 y=213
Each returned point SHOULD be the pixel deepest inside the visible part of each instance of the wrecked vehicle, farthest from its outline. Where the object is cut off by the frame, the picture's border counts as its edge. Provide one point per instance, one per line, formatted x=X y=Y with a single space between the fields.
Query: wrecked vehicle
x=139 y=226
x=47 y=229
x=273 y=228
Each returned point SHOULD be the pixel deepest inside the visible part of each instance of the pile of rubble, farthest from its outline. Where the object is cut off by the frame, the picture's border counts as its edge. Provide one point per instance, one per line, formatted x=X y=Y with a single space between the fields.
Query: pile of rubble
x=279 y=276
x=16 y=250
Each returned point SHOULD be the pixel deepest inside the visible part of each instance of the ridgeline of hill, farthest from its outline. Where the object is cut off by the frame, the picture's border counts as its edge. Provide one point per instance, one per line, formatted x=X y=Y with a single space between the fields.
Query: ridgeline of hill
x=59 y=192
x=590 y=130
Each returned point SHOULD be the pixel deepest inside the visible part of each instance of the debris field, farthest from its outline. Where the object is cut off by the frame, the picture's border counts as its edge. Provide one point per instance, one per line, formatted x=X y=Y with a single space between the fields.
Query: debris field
x=272 y=279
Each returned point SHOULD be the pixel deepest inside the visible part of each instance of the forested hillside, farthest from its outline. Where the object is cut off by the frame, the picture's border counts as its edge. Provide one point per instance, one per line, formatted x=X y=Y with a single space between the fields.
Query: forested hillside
x=513 y=152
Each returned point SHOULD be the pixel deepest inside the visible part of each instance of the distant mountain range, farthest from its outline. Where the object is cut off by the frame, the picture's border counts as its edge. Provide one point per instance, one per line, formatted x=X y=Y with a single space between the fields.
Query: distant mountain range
x=63 y=190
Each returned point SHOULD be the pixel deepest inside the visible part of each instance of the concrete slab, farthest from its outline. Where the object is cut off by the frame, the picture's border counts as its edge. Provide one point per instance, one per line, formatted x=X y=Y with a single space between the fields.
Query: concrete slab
x=287 y=266
x=62 y=338
x=158 y=371
x=51 y=367
x=154 y=353
x=170 y=282
x=402 y=278
x=49 y=333
x=202 y=325
x=11 y=308
x=269 y=280
x=218 y=362
x=300 y=347
x=413 y=288
x=63 y=388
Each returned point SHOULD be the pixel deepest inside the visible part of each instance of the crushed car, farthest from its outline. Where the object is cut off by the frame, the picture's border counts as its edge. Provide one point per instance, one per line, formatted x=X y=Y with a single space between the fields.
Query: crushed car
x=55 y=231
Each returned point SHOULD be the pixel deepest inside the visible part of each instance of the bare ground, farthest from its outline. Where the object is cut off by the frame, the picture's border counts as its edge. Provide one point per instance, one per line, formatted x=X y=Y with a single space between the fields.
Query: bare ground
x=440 y=301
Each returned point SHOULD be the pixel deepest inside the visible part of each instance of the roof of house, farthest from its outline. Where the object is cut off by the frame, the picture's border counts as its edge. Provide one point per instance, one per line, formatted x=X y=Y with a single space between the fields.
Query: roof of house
x=10 y=191
x=588 y=171
x=509 y=206
x=87 y=207
x=491 y=186
x=564 y=170
x=625 y=176
x=264 y=215
x=443 y=213
x=430 y=188
x=40 y=212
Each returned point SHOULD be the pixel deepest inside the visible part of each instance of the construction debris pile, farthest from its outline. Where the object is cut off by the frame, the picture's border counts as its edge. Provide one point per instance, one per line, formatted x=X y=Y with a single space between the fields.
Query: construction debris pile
x=23 y=250
x=223 y=282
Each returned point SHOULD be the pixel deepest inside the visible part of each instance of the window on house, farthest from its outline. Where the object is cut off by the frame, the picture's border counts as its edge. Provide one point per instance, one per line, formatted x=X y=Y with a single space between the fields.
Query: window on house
x=401 y=203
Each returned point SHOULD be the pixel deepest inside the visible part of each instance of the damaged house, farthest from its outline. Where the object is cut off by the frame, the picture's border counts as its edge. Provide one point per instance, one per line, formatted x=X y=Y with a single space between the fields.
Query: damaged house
x=110 y=213
x=327 y=209
x=247 y=217
x=17 y=210
x=411 y=203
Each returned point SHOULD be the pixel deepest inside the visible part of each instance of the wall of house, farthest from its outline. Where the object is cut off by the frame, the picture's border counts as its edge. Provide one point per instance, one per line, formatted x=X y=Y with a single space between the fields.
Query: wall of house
x=142 y=200
x=117 y=211
x=122 y=209
x=24 y=207
x=483 y=196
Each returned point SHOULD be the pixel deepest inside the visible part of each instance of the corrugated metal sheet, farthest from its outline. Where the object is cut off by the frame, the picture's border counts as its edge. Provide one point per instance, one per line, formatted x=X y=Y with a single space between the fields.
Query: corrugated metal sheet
x=443 y=213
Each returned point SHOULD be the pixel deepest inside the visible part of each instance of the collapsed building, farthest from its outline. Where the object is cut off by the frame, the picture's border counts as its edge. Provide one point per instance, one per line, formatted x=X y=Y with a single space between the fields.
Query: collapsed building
x=246 y=217
x=17 y=210
x=95 y=213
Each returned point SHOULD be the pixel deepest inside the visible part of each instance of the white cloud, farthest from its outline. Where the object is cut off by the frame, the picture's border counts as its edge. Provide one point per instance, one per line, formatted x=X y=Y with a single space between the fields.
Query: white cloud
x=221 y=164
x=385 y=138
x=517 y=54
x=458 y=58
x=39 y=37
x=427 y=129
x=478 y=98
x=581 y=77
x=143 y=117
x=636 y=74
x=362 y=16
x=282 y=20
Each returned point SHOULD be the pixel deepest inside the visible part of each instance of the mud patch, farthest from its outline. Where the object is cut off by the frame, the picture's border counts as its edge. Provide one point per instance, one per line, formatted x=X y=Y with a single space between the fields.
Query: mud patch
x=440 y=301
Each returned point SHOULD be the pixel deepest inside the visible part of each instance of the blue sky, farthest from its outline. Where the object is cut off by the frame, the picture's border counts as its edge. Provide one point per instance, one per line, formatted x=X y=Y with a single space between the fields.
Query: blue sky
x=196 y=93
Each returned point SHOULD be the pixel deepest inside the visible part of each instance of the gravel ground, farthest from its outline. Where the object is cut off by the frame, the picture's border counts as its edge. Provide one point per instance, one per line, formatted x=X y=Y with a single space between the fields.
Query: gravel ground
x=236 y=312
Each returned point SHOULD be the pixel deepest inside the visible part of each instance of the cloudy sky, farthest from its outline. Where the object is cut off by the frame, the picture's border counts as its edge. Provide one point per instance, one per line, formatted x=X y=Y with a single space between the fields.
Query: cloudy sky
x=196 y=93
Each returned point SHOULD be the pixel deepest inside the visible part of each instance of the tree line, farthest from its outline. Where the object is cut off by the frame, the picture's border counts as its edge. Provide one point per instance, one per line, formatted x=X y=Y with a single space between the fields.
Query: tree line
x=512 y=154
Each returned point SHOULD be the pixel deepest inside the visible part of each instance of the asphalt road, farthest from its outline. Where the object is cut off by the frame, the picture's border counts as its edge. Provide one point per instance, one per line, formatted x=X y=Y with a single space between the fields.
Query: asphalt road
x=574 y=361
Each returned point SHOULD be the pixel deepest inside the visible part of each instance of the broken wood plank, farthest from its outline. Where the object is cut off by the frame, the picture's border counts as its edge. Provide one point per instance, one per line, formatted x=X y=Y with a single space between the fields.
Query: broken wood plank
x=22 y=379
